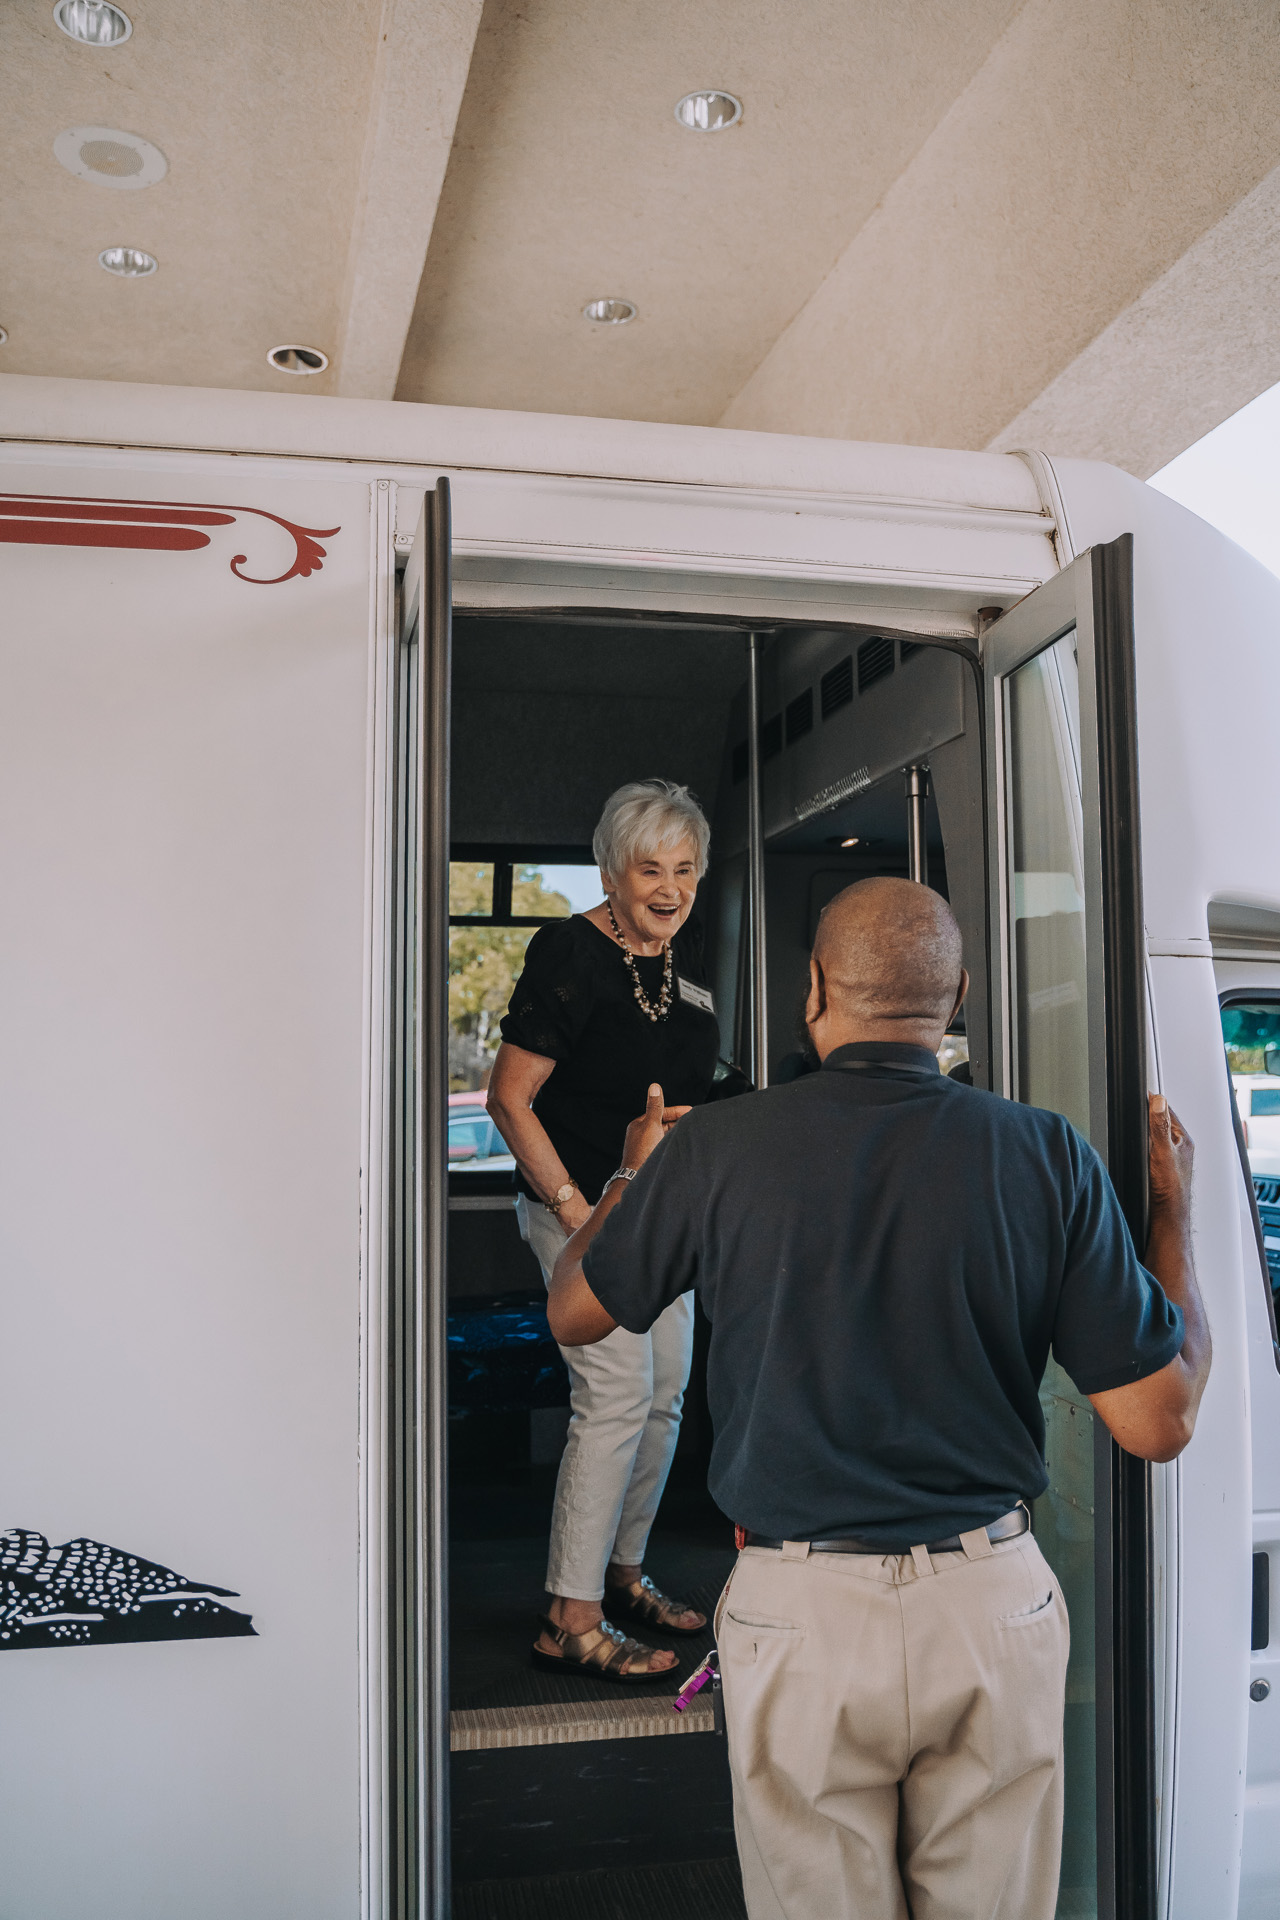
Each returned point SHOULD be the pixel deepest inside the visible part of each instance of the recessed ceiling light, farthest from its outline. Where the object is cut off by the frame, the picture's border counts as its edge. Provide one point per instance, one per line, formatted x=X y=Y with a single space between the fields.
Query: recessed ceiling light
x=298 y=359
x=95 y=23
x=129 y=262
x=709 y=112
x=110 y=157
x=4 y=335
x=609 y=313
x=852 y=841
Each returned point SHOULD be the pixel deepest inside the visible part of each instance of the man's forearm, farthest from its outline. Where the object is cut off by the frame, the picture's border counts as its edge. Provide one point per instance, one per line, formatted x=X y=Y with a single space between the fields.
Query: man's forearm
x=1170 y=1259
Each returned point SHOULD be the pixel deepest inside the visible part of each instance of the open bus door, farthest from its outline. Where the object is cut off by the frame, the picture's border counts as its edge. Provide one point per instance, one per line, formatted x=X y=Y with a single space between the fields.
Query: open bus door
x=413 y=1858
x=1070 y=1032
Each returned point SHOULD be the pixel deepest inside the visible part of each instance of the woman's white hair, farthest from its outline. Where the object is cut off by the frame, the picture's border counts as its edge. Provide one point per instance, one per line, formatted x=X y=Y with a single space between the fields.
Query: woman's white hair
x=643 y=817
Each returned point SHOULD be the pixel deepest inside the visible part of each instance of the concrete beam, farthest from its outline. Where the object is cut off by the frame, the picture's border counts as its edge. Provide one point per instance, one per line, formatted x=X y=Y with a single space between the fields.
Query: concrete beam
x=1095 y=149
x=424 y=53
x=1192 y=350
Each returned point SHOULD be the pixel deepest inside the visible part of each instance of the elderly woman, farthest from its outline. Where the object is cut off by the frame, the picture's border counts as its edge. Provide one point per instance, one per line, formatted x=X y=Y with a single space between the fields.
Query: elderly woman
x=610 y=1002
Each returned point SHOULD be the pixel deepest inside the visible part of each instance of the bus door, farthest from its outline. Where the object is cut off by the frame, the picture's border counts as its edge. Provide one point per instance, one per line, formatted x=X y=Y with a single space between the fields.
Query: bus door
x=409 y=1865
x=1070 y=1026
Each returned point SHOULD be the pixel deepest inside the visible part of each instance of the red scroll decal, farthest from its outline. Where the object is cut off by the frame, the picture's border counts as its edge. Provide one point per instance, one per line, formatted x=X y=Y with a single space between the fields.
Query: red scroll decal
x=53 y=520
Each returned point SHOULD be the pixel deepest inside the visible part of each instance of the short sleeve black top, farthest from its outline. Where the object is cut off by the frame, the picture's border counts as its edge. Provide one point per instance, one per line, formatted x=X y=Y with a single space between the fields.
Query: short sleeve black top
x=575 y=1004
x=887 y=1259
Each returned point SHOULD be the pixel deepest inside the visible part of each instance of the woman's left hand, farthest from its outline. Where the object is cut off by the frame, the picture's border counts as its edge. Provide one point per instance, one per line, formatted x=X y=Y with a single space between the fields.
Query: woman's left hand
x=644 y=1133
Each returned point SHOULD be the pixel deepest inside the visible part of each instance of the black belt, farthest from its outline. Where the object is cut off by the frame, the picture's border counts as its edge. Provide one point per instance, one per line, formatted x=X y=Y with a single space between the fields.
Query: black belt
x=1008 y=1527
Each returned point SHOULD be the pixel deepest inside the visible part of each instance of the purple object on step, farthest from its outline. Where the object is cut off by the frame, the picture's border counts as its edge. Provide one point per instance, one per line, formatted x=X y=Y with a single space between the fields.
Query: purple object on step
x=696 y=1681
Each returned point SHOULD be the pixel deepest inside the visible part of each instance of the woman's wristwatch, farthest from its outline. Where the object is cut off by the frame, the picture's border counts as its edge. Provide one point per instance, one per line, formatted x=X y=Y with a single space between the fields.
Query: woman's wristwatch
x=561 y=1197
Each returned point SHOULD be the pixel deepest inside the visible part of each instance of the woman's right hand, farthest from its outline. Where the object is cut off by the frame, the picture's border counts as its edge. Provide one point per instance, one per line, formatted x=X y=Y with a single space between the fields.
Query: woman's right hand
x=575 y=1212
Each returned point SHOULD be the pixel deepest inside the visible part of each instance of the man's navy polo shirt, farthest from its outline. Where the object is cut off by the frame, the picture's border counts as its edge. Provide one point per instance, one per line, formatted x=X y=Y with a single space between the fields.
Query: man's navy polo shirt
x=886 y=1258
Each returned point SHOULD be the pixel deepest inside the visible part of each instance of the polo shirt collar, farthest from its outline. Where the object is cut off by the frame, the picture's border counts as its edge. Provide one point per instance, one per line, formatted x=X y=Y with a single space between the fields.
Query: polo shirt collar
x=887 y=1053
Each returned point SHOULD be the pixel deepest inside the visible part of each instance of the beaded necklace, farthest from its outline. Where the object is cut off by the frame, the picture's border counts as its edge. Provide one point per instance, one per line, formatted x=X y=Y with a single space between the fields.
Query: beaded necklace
x=663 y=1007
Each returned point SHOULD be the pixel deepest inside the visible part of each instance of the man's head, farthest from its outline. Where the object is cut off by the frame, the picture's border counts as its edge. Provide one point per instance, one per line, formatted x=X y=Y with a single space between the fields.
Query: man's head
x=886 y=965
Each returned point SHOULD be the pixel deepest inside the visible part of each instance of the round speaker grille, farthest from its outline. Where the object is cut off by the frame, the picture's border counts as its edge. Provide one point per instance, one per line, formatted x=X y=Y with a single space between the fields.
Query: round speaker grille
x=110 y=157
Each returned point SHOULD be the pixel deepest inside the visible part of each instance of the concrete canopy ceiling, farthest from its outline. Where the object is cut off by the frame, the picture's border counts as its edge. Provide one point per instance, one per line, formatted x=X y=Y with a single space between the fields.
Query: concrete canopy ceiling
x=306 y=142
x=571 y=178
x=1010 y=222
x=251 y=106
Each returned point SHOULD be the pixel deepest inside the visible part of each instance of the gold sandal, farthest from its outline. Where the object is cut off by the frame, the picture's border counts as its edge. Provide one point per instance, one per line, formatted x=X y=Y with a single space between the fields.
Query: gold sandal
x=602 y=1653
x=642 y=1601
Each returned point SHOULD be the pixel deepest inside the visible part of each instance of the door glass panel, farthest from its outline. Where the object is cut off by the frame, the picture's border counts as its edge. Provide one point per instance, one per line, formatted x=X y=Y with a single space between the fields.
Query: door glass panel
x=1051 y=1013
x=1050 y=1044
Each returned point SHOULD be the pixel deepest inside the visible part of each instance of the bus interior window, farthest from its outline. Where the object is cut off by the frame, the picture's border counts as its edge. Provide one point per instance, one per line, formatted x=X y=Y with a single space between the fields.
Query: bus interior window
x=549 y=717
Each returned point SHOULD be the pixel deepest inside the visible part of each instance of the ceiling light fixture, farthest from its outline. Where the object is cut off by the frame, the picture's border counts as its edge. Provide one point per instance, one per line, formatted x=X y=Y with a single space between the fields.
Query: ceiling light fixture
x=4 y=335
x=110 y=157
x=609 y=313
x=709 y=111
x=298 y=359
x=94 y=23
x=852 y=841
x=130 y=263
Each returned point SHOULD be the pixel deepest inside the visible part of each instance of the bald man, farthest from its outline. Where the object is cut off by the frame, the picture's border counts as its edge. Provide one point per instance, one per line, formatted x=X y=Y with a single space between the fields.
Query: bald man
x=887 y=1259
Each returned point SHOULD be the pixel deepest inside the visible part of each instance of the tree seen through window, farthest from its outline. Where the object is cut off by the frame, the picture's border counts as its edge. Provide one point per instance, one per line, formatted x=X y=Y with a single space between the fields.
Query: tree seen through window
x=485 y=962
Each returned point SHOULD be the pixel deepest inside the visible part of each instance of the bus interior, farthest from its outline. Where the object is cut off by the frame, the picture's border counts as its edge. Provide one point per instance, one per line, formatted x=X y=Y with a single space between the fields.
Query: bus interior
x=869 y=762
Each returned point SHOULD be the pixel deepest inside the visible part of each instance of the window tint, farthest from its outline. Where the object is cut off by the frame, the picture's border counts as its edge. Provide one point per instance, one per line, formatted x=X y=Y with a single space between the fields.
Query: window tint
x=1251 y=1036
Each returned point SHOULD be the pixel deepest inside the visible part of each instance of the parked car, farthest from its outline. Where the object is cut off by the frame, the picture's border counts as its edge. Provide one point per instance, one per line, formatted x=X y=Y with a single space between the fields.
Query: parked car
x=475 y=1145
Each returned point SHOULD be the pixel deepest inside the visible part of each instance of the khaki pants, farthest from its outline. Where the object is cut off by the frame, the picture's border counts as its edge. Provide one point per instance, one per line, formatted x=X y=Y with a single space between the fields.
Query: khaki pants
x=895 y=1732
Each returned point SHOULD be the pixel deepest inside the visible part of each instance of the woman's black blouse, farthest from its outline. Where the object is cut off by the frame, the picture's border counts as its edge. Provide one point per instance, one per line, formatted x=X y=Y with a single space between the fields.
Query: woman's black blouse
x=575 y=1004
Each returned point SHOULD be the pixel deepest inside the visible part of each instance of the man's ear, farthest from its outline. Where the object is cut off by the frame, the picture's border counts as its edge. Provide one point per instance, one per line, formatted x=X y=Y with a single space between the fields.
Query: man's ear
x=962 y=995
x=816 y=1004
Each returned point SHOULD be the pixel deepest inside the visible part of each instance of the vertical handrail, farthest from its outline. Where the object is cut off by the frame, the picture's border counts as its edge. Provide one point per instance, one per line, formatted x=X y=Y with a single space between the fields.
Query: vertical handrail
x=432 y=1082
x=917 y=843
x=755 y=872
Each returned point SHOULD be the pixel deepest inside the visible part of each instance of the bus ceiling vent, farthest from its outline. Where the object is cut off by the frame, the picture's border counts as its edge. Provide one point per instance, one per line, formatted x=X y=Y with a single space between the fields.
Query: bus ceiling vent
x=832 y=796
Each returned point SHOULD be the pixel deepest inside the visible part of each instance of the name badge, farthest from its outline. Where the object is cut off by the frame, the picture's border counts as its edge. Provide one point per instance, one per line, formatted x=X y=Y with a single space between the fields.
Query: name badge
x=700 y=997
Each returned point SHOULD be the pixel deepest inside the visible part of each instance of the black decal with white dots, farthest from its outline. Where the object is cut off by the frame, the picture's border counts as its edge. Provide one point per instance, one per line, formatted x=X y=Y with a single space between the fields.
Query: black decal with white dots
x=85 y=1594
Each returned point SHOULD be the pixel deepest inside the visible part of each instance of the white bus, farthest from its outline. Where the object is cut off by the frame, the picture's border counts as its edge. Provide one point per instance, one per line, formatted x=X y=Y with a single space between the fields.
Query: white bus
x=260 y=691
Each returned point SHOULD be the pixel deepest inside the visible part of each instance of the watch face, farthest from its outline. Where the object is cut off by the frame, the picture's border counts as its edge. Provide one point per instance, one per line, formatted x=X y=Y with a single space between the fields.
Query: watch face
x=564 y=1193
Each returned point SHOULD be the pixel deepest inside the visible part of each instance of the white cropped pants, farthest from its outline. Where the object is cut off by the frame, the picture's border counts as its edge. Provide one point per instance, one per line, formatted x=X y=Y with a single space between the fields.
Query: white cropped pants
x=626 y=1395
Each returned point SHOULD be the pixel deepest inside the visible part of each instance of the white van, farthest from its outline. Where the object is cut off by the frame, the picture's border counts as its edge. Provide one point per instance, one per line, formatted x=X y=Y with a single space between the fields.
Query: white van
x=258 y=690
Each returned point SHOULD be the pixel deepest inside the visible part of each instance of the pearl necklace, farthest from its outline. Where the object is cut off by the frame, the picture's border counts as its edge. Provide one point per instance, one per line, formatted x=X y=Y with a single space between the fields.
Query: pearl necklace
x=663 y=1007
